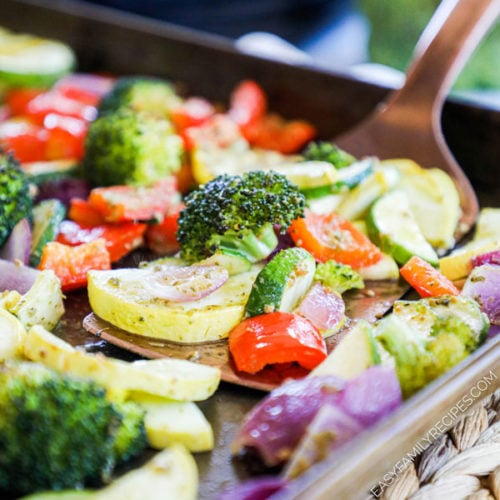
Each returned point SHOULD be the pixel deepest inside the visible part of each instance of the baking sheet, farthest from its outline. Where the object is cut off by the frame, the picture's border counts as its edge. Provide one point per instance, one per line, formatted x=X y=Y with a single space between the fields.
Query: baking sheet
x=210 y=66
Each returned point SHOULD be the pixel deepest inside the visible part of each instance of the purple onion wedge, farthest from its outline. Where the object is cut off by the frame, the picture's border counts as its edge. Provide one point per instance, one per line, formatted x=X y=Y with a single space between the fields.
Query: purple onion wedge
x=15 y=276
x=18 y=245
x=483 y=285
x=372 y=395
x=330 y=429
x=325 y=309
x=274 y=426
x=364 y=401
x=259 y=488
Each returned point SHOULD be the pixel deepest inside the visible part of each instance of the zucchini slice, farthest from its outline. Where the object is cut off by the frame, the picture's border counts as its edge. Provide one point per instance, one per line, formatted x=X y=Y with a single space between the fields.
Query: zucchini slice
x=40 y=172
x=30 y=61
x=392 y=226
x=47 y=217
x=282 y=282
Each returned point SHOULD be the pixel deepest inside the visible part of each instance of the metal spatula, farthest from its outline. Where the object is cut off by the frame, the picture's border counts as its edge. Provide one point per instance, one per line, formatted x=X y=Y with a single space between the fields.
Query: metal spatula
x=408 y=125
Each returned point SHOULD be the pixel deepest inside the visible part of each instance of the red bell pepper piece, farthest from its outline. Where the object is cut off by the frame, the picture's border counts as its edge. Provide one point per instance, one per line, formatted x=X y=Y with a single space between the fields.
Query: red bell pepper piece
x=192 y=112
x=57 y=103
x=27 y=142
x=332 y=237
x=66 y=137
x=135 y=203
x=82 y=212
x=274 y=132
x=427 y=280
x=277 y=337
x=161 y=238
x=248 y=103
x=71 y=264
x=120 y=239
x=17 y=100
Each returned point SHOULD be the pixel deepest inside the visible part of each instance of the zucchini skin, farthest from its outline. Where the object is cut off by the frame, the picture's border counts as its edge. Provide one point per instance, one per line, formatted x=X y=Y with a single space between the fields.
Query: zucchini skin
x=282 y=282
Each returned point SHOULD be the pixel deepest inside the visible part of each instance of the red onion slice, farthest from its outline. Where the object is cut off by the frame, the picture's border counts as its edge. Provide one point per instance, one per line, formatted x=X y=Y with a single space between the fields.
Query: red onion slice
x=18 y=244
x=325 y=309
x=186 y=283
x=483 y=285
x=274 y=426
x=492 y=257
x=14 y=276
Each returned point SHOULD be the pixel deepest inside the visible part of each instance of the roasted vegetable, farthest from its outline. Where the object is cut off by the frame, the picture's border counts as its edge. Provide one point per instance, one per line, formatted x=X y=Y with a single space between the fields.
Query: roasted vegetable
x=428 y=337
x=140 y=94
x=58 y=432
x=130 y=148
x=15 y=200
x=326 y=151
x=238 y=215
x=338 y=277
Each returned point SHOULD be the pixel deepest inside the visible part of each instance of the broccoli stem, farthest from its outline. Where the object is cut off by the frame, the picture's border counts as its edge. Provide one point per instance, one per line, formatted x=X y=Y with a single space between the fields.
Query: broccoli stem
x=253 y=246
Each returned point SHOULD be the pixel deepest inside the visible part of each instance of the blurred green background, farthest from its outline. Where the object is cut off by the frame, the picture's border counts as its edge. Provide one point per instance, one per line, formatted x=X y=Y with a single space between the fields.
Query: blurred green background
x=396 y=26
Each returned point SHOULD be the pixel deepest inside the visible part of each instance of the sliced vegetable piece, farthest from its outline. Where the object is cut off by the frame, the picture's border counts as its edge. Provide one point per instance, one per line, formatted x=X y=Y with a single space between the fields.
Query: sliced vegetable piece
x=18 y=244
x=356 y=203
x=184 y=283
x=47 y=217
x=191 y=112
x=135 y=203
x=356 y=351
x=26 y=141
x=42 y=304
x=434 y=200
x=248 y=103
x=324 y=308
x=274 y=132
x=66 y=137
x=169 y=422
x=385 y=269
x=483 y=285
x=332 y=237
x=17 y=99
x=82 y=212
x=16 y=276
x=458 y=264
x=275 y=426
x=175 y=379
x=234 y=264
x=427 y=280
x=120 y=239
x=40 y=172
x=283 y=281
x=392 y=226
x=11 y=336
x=276 y=337
x=173 y=469
x=118 y=296
x=161 y=238
x=29 y=61
x=71 y=264
x=314 y=178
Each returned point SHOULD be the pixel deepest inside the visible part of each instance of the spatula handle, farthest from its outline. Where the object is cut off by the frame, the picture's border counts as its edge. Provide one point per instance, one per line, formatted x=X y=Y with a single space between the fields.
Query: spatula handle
x=452 y=34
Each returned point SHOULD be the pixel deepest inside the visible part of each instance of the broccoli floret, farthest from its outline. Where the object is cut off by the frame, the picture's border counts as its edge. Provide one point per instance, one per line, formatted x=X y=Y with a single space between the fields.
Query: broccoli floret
x=419 y=359
x=141 y=94
x=238 y=215
x=130 y=435
x=326 y=151
x=57 y=432
x=338 y=277
x=15 y=199
x=130 y=148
